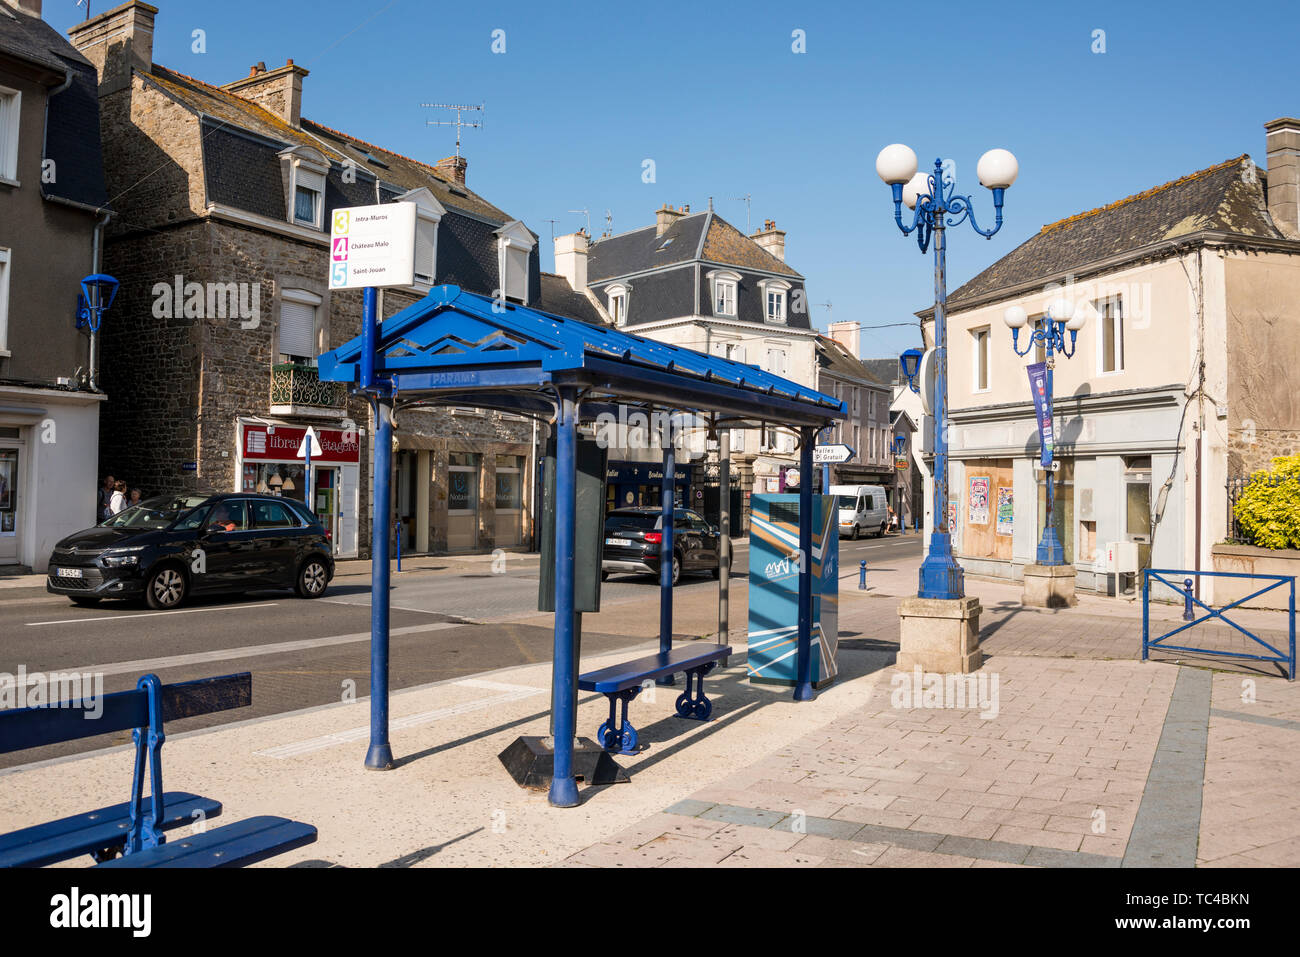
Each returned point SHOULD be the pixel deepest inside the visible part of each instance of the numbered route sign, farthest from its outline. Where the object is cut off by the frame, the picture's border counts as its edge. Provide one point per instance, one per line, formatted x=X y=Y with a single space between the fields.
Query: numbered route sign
x=372 y=246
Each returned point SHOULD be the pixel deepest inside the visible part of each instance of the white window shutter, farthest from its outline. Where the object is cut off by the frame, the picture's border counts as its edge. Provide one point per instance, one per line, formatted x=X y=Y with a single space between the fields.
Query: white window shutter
x=424 y=263
x=297 y=329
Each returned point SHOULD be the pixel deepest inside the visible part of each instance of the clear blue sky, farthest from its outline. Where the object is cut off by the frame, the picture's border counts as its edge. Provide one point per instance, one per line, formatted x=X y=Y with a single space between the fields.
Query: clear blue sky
x=713 y=93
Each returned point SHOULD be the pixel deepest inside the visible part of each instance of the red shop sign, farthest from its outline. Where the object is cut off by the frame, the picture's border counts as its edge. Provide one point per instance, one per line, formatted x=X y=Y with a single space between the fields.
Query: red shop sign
x=280 y=443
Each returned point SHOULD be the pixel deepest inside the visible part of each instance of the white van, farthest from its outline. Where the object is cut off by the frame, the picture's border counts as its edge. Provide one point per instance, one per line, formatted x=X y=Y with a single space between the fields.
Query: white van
x=862 y=508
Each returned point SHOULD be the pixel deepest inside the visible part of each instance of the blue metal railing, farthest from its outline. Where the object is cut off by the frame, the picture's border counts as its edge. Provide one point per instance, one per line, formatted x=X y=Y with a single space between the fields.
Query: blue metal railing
x=1286 y=658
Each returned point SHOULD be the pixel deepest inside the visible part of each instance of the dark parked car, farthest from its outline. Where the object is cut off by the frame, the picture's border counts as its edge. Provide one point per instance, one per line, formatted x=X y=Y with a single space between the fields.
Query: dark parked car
x=634 y=536
x=167 y=548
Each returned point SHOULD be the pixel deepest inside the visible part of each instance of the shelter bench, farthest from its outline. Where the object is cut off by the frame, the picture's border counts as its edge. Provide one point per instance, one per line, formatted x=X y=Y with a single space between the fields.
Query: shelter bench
x=623 y=682
x=135 y=829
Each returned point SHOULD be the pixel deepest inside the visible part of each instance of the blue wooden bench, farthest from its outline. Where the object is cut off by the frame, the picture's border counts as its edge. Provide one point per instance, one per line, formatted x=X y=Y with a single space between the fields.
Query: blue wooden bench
x=623 y=682
x=135 y=829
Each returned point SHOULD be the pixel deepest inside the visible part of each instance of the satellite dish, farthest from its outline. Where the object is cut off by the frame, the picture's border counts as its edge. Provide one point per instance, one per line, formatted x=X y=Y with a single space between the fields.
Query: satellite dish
x=926 y=383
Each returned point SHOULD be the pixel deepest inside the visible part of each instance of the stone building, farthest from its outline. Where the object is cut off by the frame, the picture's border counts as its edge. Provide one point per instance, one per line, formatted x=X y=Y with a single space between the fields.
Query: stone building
x=52 y=208
x=224 y=197
x=694 y=280
x=842 y=374
x=1183 y=375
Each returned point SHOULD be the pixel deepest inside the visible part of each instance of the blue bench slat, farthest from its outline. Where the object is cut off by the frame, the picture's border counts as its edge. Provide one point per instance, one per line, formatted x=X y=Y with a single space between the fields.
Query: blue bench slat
x=628 y=674
x=234 y=845
x=23 y=728
x=71 y=837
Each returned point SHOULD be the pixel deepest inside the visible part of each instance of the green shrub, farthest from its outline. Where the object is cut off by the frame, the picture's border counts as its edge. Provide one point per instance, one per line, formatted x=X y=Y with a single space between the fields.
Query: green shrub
x=1269 y=506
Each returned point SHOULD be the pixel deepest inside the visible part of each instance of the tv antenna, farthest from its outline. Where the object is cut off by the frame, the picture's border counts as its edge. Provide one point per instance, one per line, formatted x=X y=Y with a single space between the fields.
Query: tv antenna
x=586 y=213
x=552 y=222
x=458 y=122
x=748 y=200
x=609 y=222
x=830 y=315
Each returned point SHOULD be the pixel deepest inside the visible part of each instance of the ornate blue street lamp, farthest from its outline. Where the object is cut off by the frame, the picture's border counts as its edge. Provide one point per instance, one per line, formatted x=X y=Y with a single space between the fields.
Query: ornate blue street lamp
x=936 y=206
x=1049 y=329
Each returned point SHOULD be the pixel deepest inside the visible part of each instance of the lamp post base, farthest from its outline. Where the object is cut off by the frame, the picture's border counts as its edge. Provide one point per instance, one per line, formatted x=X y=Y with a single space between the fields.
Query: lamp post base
x=941 y=578
x=1049 y=586
x=1050 y=549
x=939 y=636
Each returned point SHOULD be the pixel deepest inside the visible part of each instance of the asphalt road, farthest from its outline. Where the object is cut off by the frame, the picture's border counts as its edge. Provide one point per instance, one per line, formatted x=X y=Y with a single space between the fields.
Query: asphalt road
x=448 y=622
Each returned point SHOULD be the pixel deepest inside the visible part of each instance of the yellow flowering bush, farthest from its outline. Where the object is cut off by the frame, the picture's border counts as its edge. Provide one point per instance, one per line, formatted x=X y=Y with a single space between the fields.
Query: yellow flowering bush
x=1269 y=506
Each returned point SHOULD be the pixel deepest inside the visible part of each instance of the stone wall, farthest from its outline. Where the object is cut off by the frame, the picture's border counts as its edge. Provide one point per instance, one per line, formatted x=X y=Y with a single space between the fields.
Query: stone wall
x=1251 y=449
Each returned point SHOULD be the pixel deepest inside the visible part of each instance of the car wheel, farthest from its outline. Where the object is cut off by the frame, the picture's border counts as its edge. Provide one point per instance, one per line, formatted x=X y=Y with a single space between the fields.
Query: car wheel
x=312 y=579
x=165 y=589
x=677 y=569
x=881 y=533
x=84 y=600
x=854 y=536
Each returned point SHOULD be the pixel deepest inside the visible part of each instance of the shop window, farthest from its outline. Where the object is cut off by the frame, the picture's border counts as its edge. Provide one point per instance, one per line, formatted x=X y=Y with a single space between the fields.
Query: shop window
x=8 y=491
x=1087 y=541
x=288 y=480
x=509 y=490
x=462 y=481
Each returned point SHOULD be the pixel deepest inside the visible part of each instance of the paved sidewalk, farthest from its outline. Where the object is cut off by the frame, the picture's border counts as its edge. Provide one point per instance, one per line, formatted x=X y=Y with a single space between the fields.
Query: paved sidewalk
x=1091 y=760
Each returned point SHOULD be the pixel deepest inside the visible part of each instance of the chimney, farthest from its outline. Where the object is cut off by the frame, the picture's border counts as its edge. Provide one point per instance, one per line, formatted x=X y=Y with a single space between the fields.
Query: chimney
x=1282 y=142
x=277 y=91
x=117 y=42
x=30 y=7
x=665 y=216
x=571 y=259
x=847 y=334
x=771 y=239
x=452 y=168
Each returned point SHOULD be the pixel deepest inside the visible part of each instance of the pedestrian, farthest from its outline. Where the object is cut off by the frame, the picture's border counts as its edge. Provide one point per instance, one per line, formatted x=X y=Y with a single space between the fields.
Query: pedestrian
x=136 y=496
x=117 y=501
x=893 y=519
x=104 y=498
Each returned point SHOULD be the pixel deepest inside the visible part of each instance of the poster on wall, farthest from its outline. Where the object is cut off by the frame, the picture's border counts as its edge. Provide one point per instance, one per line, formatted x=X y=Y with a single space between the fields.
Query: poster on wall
x=978 y=500
x=952 y=523
x=1006 y=510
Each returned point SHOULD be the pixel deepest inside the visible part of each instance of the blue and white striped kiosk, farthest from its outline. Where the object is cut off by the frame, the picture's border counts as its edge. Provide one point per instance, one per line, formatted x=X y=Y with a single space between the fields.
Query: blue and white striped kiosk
x=774 y=567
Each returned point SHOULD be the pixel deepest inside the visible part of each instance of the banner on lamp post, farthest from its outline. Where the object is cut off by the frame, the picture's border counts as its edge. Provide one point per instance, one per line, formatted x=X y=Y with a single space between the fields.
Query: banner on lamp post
x=1042 y=411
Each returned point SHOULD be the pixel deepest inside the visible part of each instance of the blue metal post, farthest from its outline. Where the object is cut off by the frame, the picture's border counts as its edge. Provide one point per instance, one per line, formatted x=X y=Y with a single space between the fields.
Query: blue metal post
x=826 y=479
x=862 y=575
x=307 y=456
x=1291 y=608
x=564 y=692
x=369 y=337
x=940 y=575
x=380 y=755
x=667 y=504
x=803 y=691
x=1146 y=613
x=1050 y=549
x=397 y=527
x=1187 y=600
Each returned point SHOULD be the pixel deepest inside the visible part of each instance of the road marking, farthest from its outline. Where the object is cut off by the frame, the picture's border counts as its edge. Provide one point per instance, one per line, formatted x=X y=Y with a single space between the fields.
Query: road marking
x=512 y=693
x=366 y=604
x=146 y=614
x=251 y=651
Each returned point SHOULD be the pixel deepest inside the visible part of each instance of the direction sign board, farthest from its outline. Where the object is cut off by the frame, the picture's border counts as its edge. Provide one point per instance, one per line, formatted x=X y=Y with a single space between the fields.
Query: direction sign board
x=831 y=454
x=372 y=246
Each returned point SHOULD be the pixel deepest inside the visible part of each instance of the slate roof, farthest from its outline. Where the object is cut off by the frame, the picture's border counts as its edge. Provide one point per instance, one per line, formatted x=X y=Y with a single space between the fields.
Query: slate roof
x=1228 y=197
x=372 y=162
x=641 y=250
x=833 y=357
x=884 y=371
x=560 y=298
x=72 y=128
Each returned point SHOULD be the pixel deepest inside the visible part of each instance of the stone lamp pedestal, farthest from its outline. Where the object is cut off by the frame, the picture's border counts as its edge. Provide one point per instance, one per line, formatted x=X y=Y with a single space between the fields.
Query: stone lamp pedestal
x=1049 y=586
x=939 y=635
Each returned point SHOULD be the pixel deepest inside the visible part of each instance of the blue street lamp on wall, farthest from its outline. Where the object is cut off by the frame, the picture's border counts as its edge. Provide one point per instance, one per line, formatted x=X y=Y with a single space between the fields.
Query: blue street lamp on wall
x=936 y=206
x=1048 y=329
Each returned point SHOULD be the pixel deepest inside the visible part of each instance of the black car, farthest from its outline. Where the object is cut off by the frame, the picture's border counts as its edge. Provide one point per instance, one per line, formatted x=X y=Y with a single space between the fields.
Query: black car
x=167 y=548
x=634 y=536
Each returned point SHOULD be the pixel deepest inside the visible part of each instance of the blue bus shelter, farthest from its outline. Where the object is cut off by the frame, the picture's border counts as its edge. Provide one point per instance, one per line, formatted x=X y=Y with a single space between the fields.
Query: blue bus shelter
x=456 y=348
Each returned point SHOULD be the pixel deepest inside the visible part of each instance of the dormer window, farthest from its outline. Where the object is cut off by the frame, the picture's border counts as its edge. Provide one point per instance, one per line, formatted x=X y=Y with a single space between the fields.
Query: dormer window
x=724 y=284
x=305 y=170
x=428 y=214
x=617 y=296
x=775 y=297
x=514 y=250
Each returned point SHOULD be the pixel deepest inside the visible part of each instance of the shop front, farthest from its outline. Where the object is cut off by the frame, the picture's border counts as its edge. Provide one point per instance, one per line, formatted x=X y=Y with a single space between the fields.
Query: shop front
x=268 y=462
x=637 y=484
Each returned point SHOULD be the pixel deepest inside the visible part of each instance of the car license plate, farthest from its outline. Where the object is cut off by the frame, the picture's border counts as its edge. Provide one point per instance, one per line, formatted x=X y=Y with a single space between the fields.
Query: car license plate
x=68 y=572
x=618 y=541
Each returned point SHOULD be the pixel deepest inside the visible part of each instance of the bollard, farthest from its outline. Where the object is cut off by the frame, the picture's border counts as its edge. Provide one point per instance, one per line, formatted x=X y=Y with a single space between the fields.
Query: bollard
x=862 y=575
x=1187 y=600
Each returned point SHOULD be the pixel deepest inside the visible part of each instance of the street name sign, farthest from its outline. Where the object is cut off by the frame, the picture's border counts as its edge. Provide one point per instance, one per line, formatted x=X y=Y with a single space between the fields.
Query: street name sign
x=831 y=454
x=372 y=246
